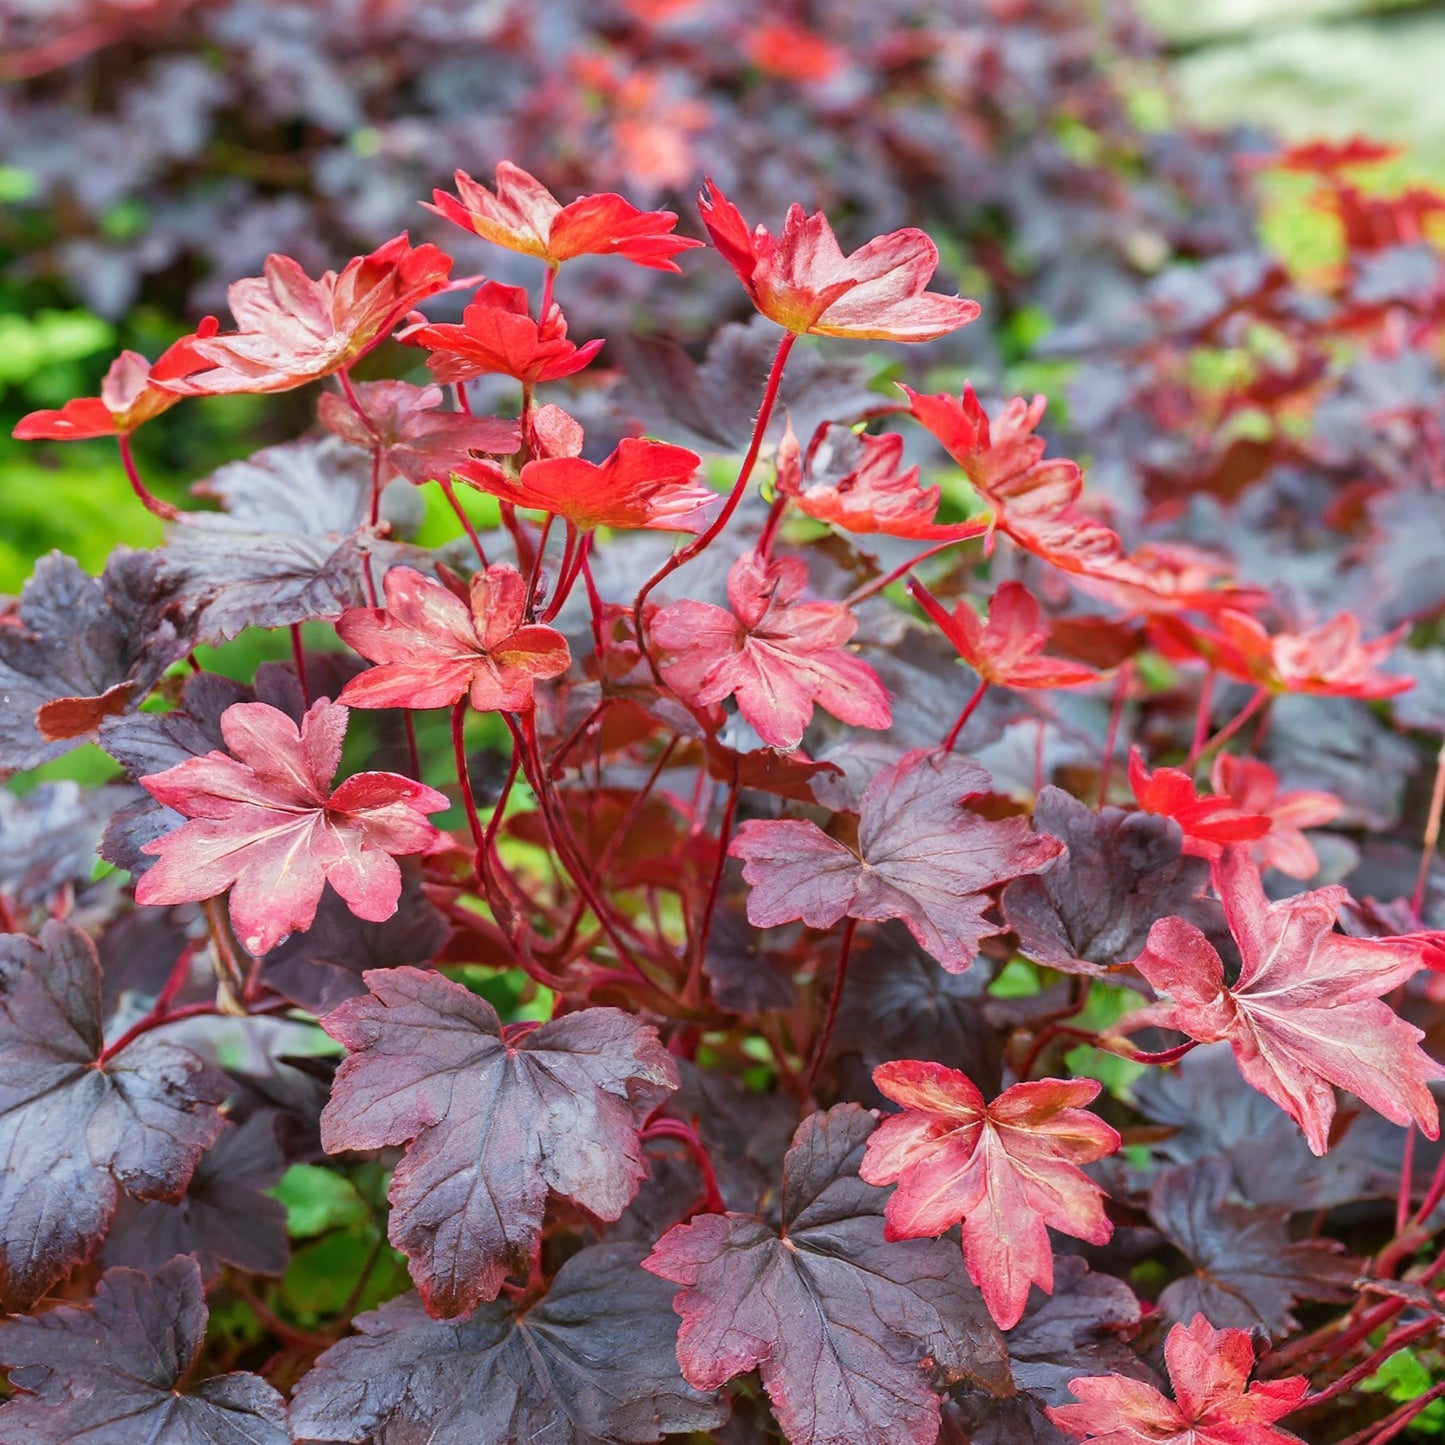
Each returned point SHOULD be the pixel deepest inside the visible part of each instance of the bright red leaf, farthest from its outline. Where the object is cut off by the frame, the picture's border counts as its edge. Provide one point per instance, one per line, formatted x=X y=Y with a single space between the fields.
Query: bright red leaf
x=1306 y=1011
x=497 y=336
x=1162 y=577
x=803 y=281
x=523 y=215
x=292 y=329
x=1007 y=649
x=1008 y=1170
x=922 y=857
x=872 y=494
x=265 y=823
x=1214 y=1403
x=1209 y=823
x=643 y=484
x=1034 y=501
x=1253 y=787
x=1330 y=660
x=778 y=656
x=416 y=439
x=434 y=647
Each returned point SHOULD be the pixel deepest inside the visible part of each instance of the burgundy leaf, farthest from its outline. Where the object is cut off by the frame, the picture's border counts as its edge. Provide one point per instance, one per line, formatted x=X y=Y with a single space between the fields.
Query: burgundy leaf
x=852 y=1333
x=113 y=1372
x=417 y=440
x=922 y=857
x=491 y=1124
x=1007 y=1169
x=778 y=656
x=1122 y=873
x=266 y=824
x=77 y=649
x=49 y=838
x=593 y=1361
x=1306 y=1011
x=1246 y=1270
x=76 y=1131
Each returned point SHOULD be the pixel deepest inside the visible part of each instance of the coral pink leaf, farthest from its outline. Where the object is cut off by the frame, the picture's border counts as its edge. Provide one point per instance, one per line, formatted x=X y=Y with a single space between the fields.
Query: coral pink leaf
x=264 y=823
x=1008 y=1170
x=490 y=1125
x=922 y=857
x=433 y=648
x=775 y=654
x=803 y=281
x=1213 y=1404
x=1307 y=1011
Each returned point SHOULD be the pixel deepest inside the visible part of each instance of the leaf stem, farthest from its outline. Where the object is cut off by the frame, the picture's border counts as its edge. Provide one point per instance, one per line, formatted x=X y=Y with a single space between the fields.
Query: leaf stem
x=450 y=493
x=692 y=989
x=152 y=503
x=1432 y=835
x=968 y=710
x=820 y=1049
x=712 y=1201
x=1122 y=683
x=464 y=781
x=868 y=589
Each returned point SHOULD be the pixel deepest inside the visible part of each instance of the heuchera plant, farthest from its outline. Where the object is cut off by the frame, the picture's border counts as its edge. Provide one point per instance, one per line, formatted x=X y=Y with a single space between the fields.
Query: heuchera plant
x=736 y=971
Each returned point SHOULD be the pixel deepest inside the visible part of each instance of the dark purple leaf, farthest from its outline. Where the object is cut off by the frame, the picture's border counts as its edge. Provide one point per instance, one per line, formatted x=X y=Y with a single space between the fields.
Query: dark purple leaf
x=1246 y=1270
x=1095 y=906
x=320 y=969
x=49 y=838
x=111 y=1372
x=78 y=649
x=75 y=1135
x=291 y=545
x=852 y=1333
x=491 y=1123
x=592 y=1363
x=744 y=974
x=225 y=1216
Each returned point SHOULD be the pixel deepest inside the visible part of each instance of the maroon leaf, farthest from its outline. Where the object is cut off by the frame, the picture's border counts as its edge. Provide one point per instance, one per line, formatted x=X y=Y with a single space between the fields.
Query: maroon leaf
x=112 y=1372
x=1122 y=873
x=1306 y=1011
x=224 y=1217
x=852 y=1333
x=77 y=649
x=491 y=1123
x=1007 y=1169
x=594 y=1360
x=49 y=838
x=266 y=824
x=291 y=545
x=1246 y=1270
x=76 y=1131
x=922 y=857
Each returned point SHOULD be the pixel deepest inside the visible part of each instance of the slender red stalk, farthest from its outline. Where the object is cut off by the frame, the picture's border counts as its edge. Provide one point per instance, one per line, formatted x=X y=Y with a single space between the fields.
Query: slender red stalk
x=298 y=657
x=1262 y=695
x=148 y=499
x=684 y=555
x=869 y=589
x=968 y=710
x=692 y=989
x=1407 y=1175
x=1432 y=834
x=1383 y=1431
x=1122 y=684
x=712 y=1201
x=449 y=492
x=840 y=976
x=1399 y=1340
x=464 y=781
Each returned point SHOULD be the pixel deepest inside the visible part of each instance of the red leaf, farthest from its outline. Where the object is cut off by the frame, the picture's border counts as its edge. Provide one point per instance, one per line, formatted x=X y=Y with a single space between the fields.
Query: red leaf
x=266 y=825
x=1330 y=660
x=1008 y=648
x=1214 y=1403
x=803 y=281
x=778 y=656
x=293 y=330
x=127 y=400
x=1163 y=577
x=1306 y=1011
x=643 y=484
x=490 y=1124
x=433 y=648
x=1208 y=823
x=497 y=336
x=416 y=440
x=1008 y=1170
x=1034 y=502
x=1253 y=787
x=523 y=215
x=863 y=491
x=922 y=857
